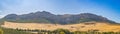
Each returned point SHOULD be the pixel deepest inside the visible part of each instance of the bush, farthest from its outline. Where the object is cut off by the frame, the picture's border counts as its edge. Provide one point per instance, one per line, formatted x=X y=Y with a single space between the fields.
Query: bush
x=1 y=31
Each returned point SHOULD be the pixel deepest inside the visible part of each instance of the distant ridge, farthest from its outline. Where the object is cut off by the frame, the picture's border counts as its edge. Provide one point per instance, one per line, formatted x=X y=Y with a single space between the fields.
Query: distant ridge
x=47 y=17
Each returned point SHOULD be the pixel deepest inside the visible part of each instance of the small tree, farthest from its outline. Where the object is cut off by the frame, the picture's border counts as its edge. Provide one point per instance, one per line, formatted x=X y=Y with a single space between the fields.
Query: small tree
x=1 y=32
x=62 y=32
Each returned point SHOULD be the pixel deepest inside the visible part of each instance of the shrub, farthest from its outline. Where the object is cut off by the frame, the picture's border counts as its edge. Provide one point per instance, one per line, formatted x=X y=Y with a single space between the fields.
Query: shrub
x=1 y=31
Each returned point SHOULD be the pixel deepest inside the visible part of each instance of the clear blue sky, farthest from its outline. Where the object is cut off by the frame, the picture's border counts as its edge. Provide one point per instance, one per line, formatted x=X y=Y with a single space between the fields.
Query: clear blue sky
x=106 y=8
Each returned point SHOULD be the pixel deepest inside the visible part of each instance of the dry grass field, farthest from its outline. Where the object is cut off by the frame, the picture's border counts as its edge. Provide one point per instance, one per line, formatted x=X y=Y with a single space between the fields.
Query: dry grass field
x=100 y=26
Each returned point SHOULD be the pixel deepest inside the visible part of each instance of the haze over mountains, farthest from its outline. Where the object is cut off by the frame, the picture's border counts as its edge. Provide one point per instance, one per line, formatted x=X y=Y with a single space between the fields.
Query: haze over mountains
x=47 y=17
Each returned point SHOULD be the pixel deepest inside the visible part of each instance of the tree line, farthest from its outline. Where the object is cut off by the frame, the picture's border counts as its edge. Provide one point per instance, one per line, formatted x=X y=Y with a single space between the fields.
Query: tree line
x=65 y=31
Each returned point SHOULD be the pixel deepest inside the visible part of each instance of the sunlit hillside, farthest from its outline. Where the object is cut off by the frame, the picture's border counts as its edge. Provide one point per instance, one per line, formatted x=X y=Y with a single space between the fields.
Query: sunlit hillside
x=98 y=26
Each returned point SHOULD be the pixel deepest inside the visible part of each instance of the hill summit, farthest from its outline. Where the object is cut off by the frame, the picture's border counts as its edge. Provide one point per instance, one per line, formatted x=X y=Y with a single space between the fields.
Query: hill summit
x=47 y=17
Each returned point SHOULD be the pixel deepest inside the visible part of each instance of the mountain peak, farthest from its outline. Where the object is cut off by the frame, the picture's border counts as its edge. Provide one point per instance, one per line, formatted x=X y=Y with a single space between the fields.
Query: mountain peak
x=88 y=14
x=42 y=12
x=45 y=12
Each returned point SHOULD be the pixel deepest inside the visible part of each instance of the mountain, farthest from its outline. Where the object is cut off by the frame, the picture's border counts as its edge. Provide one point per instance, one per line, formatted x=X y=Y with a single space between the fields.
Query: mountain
x=47 y=17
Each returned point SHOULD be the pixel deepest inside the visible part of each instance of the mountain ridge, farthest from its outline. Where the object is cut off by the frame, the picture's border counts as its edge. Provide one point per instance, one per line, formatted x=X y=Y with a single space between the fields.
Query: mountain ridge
x=48 y=17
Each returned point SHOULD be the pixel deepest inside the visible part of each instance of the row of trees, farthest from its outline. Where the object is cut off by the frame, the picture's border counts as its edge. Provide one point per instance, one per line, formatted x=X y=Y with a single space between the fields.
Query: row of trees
x=65 y=31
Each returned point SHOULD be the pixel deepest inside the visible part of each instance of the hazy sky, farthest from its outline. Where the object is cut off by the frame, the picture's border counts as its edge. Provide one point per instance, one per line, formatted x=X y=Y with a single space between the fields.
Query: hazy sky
x=106 y=8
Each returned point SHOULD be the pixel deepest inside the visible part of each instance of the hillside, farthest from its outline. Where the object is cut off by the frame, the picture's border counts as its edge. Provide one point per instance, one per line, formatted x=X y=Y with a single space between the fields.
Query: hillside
x=47 y=17
x=99 y=26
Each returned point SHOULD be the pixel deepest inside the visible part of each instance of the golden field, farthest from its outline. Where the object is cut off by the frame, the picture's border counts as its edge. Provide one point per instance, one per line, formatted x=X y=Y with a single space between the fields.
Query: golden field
x=100 y=26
